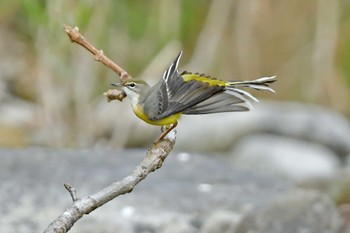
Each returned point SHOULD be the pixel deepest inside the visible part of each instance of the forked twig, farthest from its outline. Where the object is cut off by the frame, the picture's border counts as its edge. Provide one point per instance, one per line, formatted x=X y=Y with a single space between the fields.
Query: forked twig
x=81 y=206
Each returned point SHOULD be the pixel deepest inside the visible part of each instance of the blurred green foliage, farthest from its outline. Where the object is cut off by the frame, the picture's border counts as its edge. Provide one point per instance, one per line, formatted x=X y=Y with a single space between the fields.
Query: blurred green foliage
x=306 y=44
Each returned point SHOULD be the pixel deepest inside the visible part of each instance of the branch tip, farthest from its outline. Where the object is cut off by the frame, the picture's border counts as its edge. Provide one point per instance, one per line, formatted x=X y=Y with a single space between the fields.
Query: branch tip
x=66 y=28
x=72 y=191
x=124 y=76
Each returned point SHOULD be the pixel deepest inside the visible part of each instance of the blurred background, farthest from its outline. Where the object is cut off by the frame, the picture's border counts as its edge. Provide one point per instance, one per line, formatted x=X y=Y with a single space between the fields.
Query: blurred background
x=51 y=95
x=51 y=89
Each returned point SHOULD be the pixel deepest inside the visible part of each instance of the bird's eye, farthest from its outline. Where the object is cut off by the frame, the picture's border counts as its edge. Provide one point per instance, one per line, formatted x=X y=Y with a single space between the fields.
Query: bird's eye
x=132 y=85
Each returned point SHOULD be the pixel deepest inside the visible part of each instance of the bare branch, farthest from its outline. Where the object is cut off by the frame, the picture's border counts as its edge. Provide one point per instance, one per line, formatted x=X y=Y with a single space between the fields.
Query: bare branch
x=76 y=37
x=153 y=160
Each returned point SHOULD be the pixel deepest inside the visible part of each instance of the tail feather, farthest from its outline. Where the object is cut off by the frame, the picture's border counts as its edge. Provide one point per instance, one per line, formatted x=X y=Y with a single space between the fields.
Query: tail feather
x=261 y=84
x=242 y=94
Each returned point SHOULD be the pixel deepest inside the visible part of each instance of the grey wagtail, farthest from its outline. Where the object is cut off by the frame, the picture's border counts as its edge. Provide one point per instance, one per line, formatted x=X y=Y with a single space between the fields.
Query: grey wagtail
x=187 y=93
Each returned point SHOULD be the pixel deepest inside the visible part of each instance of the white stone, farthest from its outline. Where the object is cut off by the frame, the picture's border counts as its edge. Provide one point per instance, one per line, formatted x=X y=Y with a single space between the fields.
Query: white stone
x=292 y=158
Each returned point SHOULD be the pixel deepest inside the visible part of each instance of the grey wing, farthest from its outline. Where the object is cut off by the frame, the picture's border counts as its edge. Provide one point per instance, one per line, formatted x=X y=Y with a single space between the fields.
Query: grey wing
x=232 y=97
x=194 y=98
x=174 y=95
x=185 y=95
x=219 y=102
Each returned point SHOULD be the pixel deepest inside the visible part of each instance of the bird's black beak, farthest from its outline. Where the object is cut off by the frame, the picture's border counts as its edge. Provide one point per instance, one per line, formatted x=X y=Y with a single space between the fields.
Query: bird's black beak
x=117 y=84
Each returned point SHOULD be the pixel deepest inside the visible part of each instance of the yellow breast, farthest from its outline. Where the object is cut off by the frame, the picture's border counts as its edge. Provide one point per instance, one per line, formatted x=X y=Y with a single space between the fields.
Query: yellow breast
x=165 y=121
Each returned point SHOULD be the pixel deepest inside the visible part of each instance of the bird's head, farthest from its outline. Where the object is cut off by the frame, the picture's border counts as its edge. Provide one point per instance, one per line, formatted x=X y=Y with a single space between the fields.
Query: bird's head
x=135 y=89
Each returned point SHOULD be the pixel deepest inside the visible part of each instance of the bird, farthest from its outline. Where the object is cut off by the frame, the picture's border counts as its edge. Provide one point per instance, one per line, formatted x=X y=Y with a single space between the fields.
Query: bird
x=187 y=93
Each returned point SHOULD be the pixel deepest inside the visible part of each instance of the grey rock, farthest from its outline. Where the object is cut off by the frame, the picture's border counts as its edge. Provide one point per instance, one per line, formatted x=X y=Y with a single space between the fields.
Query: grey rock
x=177 y=225
x=181 y=195
x=308 y=122
x=294 y=159
x=223 y=221
x=219 y=132
x=298 y=211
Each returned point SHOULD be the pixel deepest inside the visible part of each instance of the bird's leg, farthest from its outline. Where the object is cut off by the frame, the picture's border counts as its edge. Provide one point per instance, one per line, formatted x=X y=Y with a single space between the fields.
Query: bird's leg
x=166 y=131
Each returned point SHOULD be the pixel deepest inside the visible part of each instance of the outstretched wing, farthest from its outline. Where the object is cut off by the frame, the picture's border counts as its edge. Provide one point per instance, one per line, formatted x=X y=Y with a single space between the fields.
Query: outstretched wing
x=177 y=95
x=197 y=94
x=219 y=102
x=231 y=98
